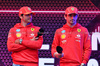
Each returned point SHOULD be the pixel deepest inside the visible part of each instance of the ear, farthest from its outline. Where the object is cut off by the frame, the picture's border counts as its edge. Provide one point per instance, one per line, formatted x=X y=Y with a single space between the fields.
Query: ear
x=77 y=16
x=20 y=17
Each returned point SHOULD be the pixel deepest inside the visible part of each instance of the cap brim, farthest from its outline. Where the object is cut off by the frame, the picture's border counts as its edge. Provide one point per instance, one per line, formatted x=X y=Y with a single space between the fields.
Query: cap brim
x=30 y=13
x=72 y=13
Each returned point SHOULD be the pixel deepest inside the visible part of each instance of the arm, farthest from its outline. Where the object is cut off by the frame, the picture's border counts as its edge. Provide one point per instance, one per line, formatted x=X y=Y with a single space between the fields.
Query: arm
x=56 y=43
x=87 y=47
x=33 y=44
x=11 y=45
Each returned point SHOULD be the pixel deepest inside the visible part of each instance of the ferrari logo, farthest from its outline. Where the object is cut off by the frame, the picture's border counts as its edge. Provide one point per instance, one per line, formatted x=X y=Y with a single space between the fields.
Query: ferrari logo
x=29 y=9
x=32 y=29
x=72 y=9
x=79 y=30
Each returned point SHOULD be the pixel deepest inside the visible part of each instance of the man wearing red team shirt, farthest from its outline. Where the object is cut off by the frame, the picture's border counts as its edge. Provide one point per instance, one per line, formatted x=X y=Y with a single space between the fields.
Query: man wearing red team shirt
x=22 y=40
x=74 y=40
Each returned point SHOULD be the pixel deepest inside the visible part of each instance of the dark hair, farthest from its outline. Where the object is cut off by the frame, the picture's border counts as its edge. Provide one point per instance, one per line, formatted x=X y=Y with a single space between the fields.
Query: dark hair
x=65 y=14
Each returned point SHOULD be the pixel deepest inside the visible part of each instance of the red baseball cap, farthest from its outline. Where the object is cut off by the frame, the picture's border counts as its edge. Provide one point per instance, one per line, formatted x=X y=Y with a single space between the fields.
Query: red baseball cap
x=25 y=10
x=71 y=10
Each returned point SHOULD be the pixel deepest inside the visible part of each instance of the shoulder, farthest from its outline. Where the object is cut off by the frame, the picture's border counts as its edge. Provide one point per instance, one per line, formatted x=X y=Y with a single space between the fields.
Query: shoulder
x=37 y=27
x=12 y=29
x=59 y=29
x=84 y=29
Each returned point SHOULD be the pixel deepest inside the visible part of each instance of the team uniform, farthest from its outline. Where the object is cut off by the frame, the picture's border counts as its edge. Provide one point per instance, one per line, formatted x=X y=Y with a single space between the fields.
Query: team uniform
x=76 y=45
x=25 y=53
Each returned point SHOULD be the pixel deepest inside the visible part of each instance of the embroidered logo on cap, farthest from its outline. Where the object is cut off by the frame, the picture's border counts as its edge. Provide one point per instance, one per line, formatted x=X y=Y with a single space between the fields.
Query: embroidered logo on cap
x=29 y=9
x=72 y=9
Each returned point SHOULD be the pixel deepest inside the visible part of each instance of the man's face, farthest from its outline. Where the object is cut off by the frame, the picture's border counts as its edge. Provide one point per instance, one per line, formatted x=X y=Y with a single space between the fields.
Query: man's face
x=27 y=18
x=71 y=18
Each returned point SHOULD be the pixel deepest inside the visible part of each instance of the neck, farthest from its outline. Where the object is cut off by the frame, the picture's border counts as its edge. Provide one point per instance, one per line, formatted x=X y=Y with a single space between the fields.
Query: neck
x=71 y=25
x=23 y=23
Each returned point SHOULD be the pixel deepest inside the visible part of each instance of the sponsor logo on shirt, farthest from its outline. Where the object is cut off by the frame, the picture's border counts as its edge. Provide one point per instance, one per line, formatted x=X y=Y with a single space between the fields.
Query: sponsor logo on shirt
x=18 y=34
x=79 y=37
x=63 y=31
x=63 y=36
x=32 y=29
x=31 y=35
x=63 y=41
x=78 y=40
x=18 y=30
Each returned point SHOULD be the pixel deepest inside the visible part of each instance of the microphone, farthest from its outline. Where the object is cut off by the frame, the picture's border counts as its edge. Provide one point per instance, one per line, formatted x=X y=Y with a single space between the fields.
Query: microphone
x=40 y=33
x=59 y=49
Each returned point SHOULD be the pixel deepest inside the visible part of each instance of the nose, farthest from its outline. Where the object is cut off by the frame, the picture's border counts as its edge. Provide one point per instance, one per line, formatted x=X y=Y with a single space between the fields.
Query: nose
x=72 y=17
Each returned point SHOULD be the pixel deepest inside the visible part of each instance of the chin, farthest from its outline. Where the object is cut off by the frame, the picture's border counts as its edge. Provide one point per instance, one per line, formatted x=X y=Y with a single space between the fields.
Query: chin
x=29 y=21
x=71 y=22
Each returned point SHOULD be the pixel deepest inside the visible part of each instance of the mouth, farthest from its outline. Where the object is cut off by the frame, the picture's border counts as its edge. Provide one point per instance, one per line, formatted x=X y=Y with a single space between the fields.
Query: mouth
x=29 y=19
x=72 y=21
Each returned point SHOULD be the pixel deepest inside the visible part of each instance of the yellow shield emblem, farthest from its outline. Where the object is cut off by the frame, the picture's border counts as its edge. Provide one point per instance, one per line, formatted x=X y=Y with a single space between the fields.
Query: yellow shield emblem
x=32 y=29
x=79 y=30
x=18 y=34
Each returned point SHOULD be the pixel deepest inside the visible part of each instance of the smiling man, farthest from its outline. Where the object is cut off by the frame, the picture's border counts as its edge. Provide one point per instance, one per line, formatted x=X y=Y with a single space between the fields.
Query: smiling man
x=73 y=39
x=22 y=40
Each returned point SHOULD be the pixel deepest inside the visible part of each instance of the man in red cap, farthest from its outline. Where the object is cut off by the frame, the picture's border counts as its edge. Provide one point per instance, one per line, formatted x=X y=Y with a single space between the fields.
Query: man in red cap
x=73 y=39
x=22 y=40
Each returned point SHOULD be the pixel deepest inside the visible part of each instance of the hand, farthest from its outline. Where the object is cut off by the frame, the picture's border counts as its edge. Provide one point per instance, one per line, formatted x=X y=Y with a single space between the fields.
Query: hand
x=17 y=41
x=59 y=49
x=82 y=64
x=58 y=55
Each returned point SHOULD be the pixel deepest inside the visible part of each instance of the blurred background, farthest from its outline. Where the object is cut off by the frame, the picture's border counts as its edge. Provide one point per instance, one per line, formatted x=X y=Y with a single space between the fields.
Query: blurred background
x=89 y=17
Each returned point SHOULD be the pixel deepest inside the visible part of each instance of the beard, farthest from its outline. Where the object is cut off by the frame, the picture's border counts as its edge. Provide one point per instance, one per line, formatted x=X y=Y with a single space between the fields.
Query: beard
x=72 y=21
x=29 y=20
